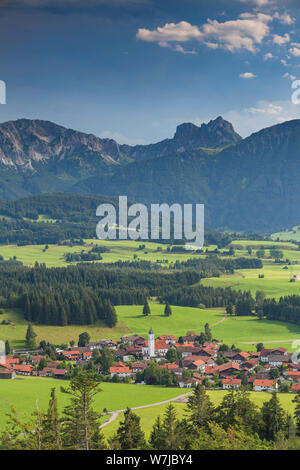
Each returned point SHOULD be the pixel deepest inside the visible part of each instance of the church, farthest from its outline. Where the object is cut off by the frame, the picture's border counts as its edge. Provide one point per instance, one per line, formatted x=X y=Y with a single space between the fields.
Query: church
x=154 y=348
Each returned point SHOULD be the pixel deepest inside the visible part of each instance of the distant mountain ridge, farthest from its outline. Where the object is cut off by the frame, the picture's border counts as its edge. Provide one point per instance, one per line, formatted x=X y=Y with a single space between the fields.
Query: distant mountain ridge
x=245 y=184
x=217 y=133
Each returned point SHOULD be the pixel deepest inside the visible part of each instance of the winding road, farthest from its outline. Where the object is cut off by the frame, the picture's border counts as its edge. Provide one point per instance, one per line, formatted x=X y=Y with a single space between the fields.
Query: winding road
x=115 y=414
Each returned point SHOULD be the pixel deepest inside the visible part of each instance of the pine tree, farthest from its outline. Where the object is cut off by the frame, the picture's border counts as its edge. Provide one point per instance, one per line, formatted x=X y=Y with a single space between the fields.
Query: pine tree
x=80 y=421
x=52 y=425
x=30 y=337
x=208 y=335
x=200 y=408
x=168 y=310
x=297 y=413
x=157 y=437
x=129 y=434
x=146 y=309
x=111 y=318
x=7 y=348
x=274 y=417
x=171 y=429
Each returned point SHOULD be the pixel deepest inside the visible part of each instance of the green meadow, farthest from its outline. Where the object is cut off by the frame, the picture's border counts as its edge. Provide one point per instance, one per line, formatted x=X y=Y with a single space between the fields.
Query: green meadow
x=130 y=321
x=276 y=281
x=149 y=415
x=244 y=332
x=28 y=393
x=125 y=250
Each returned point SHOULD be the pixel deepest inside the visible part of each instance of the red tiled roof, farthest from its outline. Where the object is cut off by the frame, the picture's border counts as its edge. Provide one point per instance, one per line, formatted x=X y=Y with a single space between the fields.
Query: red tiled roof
x=228 y=365
x=231 y=381
x=21 y=368
x=60 y=371
x=264 y=383
x=119 y=370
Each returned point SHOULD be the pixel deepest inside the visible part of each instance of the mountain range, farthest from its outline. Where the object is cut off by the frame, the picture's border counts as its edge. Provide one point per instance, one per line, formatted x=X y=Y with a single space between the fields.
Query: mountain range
x=245 y=184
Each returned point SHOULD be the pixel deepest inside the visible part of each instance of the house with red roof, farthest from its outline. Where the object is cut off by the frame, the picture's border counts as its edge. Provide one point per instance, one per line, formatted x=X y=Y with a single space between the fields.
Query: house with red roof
x=231 y=383
x=228 y=369
x=261 y=385
x=122 y=371
x=169 y=339
x=23 y=369
x=6 y=372
x=296 y=387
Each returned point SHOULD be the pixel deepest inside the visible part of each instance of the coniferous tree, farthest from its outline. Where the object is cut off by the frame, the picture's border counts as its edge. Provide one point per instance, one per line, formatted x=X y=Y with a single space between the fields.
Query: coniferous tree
x=297 y=413
x=129 y=434
x=111 y=318
x=7 y=348
x=146 y=309
x=208 y=335
x=168 y=310
x=172 y=430
x=30 y=337
x=274 y=417
x=157 y=437
x=200 y=408
x=80 y=421
x=52 y=426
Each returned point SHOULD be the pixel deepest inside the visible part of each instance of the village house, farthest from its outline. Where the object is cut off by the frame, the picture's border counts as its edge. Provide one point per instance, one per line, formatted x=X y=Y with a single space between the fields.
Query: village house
x=169 y=339
x=231 y=383
x=6 y=372
x=260 y=385
x=266 y=353
x=71 y=355
x=185 y=383
x=228 y=369
x=122 y=371
x=276 y=361
x=134 y=340
x=23 y=369
x=138 y=367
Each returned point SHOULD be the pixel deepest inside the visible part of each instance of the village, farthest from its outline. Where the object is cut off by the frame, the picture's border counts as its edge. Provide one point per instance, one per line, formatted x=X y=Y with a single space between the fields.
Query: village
x=179 y=362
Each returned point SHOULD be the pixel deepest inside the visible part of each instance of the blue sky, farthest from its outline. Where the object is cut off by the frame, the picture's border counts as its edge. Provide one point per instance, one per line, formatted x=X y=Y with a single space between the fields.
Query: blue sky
x=134 y=69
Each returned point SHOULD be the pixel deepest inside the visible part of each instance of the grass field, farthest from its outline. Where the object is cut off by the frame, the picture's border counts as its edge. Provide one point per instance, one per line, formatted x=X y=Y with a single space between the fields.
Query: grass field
x=148 y=415
x=126 y=250
x=293 y=234
x=231 y=330
x=183 y=319
x=27 y=393
x=131 y=320
x=35 y=392
x=16 y=332
x=276 y=281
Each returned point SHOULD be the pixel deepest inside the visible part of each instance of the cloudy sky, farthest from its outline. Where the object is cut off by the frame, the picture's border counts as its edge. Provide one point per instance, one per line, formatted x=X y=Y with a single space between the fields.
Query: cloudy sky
x=134 y=69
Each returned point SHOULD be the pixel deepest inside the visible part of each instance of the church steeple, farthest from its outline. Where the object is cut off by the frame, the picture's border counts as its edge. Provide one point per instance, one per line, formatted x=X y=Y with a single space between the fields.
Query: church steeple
x=151 y=343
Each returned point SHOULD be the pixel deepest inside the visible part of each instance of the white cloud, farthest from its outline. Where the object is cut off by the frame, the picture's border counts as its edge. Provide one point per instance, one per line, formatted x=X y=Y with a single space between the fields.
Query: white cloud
x=247 y=32
x=268 y=56
x=247 y=75
x=259 y=3
x=281 y=40
x=285 y=18
x=295 y=51
x=170 y=32
x=289 y=76
x=262 y=114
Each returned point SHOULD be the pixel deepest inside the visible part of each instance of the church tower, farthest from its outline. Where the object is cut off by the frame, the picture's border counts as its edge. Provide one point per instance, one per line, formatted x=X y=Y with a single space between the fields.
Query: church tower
x=151 y=343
